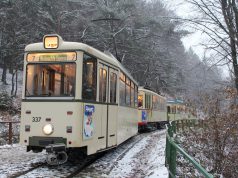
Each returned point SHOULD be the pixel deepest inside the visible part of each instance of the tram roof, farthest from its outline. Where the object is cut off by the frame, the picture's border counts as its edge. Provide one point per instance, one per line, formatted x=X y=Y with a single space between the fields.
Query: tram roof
x=141 y=88
x=175 y=101
x=76 y=46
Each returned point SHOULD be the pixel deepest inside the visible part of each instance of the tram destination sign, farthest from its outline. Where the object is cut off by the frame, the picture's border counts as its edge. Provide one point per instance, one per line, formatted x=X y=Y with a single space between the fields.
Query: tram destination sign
x=44 y=57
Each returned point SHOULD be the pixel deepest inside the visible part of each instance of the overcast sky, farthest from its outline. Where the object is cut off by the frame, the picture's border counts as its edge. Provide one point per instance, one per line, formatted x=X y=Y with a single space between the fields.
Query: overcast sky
x=185 y=10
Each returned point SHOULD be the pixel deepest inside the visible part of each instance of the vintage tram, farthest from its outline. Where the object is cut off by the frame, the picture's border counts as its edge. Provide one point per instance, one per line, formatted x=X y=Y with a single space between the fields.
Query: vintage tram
x=152 y=109
x=75 y=97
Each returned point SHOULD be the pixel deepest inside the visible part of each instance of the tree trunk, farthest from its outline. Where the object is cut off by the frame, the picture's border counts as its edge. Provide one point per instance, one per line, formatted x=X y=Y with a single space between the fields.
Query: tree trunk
x=4 y=72
x=12 y=91
x=16 y=81
x=228 y=11
x=234 y=61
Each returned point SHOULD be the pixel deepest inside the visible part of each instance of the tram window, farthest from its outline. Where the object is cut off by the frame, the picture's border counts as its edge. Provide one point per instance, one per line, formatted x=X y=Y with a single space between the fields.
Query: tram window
x=136 y=96
x=140 y=101
x=155 y=102
x=173 y=109
x=168 y=109
x=89 y=80
x=122 y=89
x=113 y=87
x=47 y=80
x=163 y=107
x=147 y=101
x=132 y=94
x=128 y=92
x=102 y=85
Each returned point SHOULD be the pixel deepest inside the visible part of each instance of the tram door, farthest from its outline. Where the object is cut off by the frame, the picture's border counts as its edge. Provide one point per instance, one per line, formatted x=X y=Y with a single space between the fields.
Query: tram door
x=112 y=108
x=108 y=98
x=102 y=98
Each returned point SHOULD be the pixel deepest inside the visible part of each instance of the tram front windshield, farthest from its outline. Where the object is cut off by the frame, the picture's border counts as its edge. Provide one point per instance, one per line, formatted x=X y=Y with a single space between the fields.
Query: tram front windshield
x=50 y=80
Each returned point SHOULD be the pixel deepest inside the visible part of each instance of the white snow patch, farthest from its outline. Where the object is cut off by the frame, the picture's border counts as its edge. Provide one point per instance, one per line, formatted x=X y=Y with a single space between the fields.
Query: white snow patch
x=15 y=159
x=145 y=159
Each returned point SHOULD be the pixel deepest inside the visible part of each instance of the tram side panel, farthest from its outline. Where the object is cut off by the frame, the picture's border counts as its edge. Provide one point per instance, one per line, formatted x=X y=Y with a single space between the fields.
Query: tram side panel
x=158 y=116
x=127 y=123
x=94 y=127
x=112 y=125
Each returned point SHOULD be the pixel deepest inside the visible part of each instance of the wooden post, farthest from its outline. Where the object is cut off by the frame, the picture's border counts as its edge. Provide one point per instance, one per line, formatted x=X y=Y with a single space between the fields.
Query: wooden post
x=10 y=133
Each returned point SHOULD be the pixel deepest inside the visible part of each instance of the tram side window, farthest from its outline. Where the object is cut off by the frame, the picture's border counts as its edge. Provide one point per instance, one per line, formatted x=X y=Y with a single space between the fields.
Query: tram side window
x=147 y=101
x=162 y=103
x=136 y=97
x=140 y=101
x=168 y=109
x=102 y=85
x=128 y=92
x=155 y=100
x=89 y=81
x=173 y=109
x=122 y=89
x=113 y=87
x=132 y=94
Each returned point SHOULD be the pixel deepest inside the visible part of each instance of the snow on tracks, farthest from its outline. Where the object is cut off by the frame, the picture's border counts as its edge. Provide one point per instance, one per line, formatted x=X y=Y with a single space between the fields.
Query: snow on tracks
x=140 y=156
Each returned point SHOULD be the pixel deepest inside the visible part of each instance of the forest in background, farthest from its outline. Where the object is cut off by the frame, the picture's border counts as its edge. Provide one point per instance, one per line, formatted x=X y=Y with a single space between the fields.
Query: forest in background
x=142 y=35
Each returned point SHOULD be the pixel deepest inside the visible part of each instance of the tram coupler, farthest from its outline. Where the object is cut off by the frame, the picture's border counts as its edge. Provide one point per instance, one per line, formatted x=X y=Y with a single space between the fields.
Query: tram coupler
x=56 y=154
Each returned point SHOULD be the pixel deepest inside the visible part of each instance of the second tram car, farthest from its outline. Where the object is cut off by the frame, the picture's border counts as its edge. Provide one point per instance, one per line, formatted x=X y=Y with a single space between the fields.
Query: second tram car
x=152 y=109
x=75 y=97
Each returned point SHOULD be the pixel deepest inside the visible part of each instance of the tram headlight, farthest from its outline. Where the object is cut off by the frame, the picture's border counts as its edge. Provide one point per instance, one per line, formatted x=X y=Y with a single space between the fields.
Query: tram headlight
x=48 y=129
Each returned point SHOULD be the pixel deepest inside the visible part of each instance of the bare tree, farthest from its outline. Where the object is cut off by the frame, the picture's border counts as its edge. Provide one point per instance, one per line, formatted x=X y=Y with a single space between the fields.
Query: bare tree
x=219 y=21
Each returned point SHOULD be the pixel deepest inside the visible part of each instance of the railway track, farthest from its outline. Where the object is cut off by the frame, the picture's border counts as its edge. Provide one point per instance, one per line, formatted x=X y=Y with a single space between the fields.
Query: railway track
x=82 y=165
x=110 y=160
x=66 y=170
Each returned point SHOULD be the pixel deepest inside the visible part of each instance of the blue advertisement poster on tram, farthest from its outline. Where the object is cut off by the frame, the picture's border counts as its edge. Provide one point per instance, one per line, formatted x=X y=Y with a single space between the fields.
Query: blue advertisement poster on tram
x=88 y=128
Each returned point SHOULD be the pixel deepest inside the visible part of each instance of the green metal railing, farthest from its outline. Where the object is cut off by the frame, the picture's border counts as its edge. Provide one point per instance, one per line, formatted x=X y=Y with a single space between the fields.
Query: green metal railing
x=172 y=148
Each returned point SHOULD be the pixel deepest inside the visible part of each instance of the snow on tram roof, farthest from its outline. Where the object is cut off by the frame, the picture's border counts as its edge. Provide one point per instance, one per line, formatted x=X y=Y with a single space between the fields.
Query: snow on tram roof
x=76 y=46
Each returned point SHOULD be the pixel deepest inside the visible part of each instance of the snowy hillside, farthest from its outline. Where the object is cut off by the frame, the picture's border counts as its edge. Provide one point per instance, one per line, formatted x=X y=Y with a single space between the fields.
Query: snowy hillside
x=15 y=102
x=7 y=88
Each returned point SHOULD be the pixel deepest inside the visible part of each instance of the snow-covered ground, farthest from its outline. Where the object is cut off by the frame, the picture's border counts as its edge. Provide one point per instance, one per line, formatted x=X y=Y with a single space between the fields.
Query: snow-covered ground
x=145 y=158
x=15 y=159
x=142 y=156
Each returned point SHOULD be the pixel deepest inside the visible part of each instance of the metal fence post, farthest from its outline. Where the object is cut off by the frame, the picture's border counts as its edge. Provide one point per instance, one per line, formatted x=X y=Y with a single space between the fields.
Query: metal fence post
x=172 y=165
x=167 y=152
x=174 y=127
x=182 y=125
x=10 y=133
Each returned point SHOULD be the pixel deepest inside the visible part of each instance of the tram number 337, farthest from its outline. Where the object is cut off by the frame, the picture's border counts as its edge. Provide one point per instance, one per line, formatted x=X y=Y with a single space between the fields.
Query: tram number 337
x=36 y=119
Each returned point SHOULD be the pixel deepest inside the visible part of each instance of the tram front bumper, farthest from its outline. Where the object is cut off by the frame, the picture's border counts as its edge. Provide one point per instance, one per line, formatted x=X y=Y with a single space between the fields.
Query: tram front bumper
x=45 y=141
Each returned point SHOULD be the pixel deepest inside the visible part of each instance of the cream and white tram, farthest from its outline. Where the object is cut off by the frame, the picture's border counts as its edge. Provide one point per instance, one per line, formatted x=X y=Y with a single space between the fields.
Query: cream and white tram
x=152 y=109
x=178 y=110
x=75 y=96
